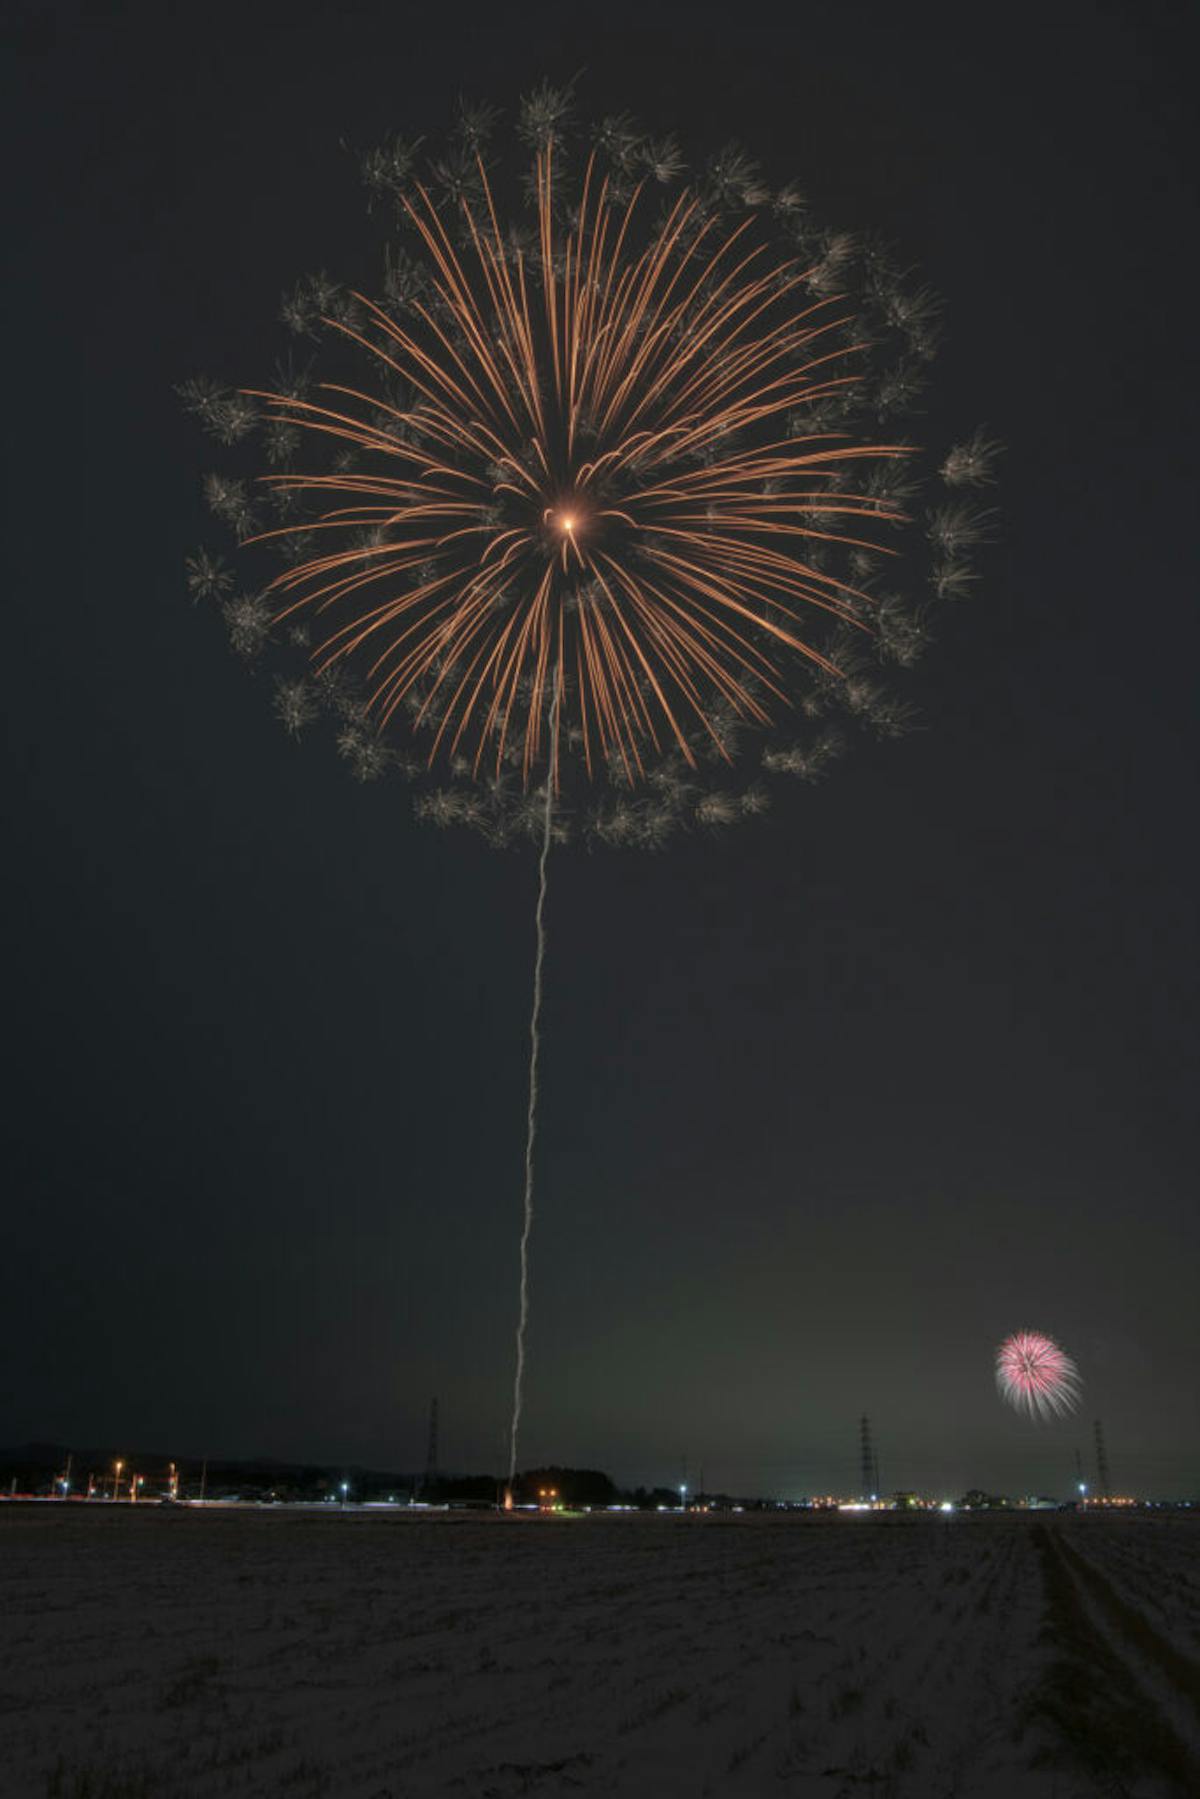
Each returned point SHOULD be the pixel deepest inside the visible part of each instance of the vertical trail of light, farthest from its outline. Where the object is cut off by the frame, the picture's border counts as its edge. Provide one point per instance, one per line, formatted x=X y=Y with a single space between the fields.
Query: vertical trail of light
x=535 y=1045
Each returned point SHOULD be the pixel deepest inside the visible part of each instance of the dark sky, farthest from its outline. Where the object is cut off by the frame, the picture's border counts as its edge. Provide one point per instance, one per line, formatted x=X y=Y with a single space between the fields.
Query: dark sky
x=830 y=1105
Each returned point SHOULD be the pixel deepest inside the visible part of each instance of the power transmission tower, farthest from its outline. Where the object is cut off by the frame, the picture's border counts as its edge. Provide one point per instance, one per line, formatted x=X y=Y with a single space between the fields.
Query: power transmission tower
x=1101 y=1460
x=869 y=1471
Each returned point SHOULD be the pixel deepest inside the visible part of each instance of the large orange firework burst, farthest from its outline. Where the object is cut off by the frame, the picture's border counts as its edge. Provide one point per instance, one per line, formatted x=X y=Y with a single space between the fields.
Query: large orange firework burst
x=596 y=525
x=572 y=489
x=603 y=498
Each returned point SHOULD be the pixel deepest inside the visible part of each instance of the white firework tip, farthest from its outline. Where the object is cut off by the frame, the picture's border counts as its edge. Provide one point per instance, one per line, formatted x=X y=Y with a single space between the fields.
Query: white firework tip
x=248 y=621
x=544 y=114
x=295 y=704
x=225 y=414
x=1036 y=1376
x=959 y=526
x=207 y=577
x=973 y=463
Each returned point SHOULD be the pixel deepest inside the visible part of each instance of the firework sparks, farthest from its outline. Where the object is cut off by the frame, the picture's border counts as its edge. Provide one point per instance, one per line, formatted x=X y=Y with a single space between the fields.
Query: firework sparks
x=1035 y=1376
x=634 y=452
x=599 y=499
x=592 y=479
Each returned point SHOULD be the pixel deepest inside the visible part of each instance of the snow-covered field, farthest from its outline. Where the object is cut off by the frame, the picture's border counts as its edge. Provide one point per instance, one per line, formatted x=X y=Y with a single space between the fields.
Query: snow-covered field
x=153 y=1654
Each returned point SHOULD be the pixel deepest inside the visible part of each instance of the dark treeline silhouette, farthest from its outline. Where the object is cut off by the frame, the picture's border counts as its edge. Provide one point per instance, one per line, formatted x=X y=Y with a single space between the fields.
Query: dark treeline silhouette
x=572 y=1486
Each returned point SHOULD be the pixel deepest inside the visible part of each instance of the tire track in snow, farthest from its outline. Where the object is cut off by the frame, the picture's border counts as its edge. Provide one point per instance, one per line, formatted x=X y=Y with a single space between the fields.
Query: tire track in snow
x=1099 y=1698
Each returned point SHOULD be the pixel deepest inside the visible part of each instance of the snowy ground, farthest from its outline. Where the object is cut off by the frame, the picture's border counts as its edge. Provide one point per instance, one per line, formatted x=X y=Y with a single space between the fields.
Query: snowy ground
x=158 y=1654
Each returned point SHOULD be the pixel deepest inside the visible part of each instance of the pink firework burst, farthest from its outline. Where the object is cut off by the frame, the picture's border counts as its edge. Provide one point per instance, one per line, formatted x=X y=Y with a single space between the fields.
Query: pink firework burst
x=1035 y=1376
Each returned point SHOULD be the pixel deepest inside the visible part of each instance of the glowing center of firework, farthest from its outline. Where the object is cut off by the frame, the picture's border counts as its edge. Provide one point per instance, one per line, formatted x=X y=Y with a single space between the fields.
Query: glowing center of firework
x=562 y=523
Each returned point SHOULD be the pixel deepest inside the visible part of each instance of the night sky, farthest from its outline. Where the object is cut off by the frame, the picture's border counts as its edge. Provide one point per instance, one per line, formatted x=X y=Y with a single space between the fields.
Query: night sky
x=830 y=1104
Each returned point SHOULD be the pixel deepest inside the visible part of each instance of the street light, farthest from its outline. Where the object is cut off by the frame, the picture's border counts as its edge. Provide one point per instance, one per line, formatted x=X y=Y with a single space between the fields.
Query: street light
x=683 y=1497
x=345 y=1490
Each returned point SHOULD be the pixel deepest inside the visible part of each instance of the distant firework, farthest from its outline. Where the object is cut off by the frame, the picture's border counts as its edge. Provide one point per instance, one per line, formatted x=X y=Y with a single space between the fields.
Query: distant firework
x=1035 y=1376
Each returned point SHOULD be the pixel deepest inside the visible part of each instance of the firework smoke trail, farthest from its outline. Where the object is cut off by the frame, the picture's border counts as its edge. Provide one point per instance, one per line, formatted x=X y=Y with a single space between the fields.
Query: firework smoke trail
x=1035 y=1376
x=535 y=1044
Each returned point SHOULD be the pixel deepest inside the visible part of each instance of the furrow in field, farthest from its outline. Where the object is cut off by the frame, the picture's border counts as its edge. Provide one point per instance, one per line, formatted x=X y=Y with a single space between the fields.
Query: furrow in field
x=1109 y=1709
